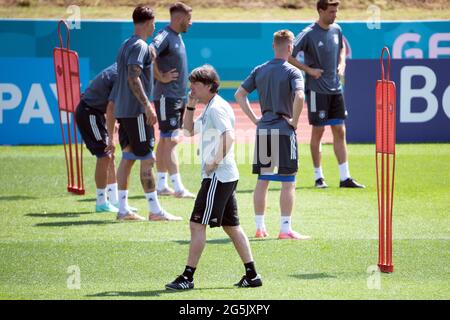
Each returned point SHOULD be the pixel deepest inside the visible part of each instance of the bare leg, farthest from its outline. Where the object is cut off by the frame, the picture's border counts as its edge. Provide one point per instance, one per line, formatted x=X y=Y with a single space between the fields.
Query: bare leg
x=339 y=143
x=171 y=158
x=240 y=242
x=160 y=156
x=260 y=196
x=315 y=145
x=147 y=177
x=198 y=241
x=123 y=173
x=101 y=172
x=287 y=196
x=112 y=178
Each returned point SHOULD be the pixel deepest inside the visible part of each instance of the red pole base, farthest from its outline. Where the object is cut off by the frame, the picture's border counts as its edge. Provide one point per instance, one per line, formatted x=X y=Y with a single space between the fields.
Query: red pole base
x=76 y=190
x=386 y=268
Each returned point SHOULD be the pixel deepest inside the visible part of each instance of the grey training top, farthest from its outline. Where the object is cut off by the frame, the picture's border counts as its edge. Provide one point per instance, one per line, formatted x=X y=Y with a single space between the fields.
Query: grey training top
x=276 y=82
x=322 y=49
x=134 y=51
x=99 y=92
x=171 y=54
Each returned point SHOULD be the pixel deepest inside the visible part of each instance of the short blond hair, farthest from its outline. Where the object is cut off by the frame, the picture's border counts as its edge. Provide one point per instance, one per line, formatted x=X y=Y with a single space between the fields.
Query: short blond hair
x=283 y=37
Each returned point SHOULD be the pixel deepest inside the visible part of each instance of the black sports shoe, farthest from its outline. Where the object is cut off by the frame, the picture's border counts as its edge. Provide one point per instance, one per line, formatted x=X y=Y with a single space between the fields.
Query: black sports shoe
x=350 y=183
x=247 y=282
x=321 y=184
x=180 y=283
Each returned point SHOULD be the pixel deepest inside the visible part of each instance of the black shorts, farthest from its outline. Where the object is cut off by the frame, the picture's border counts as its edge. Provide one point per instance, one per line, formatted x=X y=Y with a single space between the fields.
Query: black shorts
x=325 y=107
x=170 y=112
x=216 y=204
x=275 y=153
x=92 y=126
x=136 y=133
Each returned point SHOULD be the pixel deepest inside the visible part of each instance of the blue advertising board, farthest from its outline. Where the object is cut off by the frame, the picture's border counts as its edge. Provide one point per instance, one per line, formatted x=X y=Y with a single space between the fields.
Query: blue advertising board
x=233 y=48
x=423 y=99
x=28 y=110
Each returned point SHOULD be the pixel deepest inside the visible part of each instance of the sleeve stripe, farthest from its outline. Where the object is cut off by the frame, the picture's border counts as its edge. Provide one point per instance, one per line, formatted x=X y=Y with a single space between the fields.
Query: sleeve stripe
x=142 y=53
x=160 y=38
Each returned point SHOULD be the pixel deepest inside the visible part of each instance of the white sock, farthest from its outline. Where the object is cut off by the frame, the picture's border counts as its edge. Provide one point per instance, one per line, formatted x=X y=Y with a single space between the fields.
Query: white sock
x=318 y=173
x=162 y=181
x=344 y=171
x=112 y=193
x=101 y=196
x=176 y=182
x=259 y=219
x=285 y=224
x=153 y=203
x=123 y=201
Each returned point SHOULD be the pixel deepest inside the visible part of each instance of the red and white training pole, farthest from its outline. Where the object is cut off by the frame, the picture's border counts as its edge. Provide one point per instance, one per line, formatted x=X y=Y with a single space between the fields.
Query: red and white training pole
x=385 y=161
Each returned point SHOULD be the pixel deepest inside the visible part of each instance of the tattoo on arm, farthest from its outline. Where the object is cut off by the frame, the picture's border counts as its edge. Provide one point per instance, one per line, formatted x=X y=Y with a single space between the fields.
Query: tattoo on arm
x=135 y=83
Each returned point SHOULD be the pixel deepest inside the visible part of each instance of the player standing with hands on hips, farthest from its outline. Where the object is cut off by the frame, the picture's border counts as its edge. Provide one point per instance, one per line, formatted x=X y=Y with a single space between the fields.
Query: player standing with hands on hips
x=324 y=52
x=170 y=98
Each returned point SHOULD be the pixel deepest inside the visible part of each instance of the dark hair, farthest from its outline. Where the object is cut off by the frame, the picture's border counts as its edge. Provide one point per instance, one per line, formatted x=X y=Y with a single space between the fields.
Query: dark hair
x=207 y=75
x=142 y=14
x=179 y=7
x=324 y=4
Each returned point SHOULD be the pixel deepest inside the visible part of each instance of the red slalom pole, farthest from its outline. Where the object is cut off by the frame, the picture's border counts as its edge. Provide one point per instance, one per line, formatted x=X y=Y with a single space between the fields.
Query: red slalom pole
x=385 y=161
x=68 y=88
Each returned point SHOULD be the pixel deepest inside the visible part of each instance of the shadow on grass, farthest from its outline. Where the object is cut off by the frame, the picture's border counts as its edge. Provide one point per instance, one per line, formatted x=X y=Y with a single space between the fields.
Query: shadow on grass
x=253 y=239
x=58 y=215
x=151 y=293
x=74 y=223
x=14 y=198
x=313 y=276
x=136 y=197
x=274 y=189
x=213 y=241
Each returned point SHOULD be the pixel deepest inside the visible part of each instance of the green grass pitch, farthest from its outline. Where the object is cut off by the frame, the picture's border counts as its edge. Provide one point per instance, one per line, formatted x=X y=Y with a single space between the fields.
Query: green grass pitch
x=45 y=231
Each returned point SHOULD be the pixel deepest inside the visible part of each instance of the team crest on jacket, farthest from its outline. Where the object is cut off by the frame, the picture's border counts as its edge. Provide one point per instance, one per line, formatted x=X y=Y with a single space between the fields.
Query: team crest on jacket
x=173 y=122
x=336 y=39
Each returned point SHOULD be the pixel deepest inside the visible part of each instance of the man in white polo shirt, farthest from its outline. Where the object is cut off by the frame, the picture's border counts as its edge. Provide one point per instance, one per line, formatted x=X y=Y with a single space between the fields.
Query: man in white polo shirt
x=216 y=203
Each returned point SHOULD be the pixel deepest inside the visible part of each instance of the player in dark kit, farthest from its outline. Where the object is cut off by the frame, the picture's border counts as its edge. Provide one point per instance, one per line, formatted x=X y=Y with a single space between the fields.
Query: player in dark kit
x=96 y=101
x=170 y=98
x=324 y=52
x=136 y=116
x=280 y=90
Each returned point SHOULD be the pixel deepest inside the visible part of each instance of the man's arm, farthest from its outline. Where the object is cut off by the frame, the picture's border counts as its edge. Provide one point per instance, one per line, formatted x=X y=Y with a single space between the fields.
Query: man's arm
x=315 y=73
x=241 y=97
x=342 y=57
x=165 y=77
x=188 y=122
x=297 y=108
x=110 y=126
x=134 y=71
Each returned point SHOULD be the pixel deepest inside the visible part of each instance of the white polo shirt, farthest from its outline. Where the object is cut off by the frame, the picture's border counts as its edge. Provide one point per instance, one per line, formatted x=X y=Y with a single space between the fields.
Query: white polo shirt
x=216 y=118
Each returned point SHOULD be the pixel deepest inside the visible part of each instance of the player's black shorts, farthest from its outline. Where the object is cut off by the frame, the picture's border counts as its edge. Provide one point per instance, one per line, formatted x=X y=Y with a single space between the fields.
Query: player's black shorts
x=91 y=123
x=216 y=204
x=275 y=153
x=138 y=134
x=170 y=112
x=325 y=107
